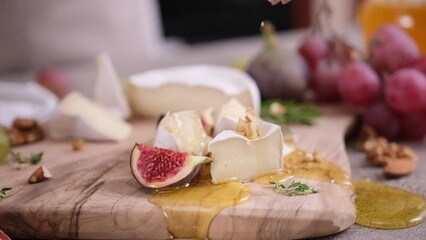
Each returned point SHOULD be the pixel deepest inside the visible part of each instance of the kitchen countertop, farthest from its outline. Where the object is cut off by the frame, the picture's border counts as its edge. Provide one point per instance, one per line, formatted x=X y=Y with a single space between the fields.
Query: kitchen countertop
x=416 y=182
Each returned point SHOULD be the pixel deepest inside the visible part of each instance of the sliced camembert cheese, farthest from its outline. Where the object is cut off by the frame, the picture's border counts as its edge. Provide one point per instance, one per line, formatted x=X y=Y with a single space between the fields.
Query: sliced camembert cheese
x=237 y=158
x=78 y=116
x=228 y=116
x=182 y=131
x=194 y=87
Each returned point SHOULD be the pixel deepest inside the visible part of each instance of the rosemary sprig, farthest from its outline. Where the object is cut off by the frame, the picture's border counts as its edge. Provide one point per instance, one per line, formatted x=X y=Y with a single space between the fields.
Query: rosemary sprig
x=3 y=191
x=295 y=188
x=286 y=112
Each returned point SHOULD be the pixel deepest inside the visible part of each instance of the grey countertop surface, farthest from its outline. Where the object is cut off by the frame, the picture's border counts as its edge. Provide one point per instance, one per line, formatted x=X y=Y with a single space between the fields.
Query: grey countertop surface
x=415 y=182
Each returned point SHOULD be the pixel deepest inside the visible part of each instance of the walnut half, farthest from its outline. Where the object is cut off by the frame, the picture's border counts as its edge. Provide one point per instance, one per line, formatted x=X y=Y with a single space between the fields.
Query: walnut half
x=249 y=125
x=398 y=160
x=25 y=130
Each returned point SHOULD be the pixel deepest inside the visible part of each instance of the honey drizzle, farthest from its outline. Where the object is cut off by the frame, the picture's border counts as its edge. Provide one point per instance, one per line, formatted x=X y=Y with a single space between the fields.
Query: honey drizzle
x=297 y=165
x=190 y=210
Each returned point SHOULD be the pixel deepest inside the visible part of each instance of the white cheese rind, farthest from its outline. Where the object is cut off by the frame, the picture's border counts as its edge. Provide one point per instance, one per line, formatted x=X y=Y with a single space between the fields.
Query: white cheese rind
x=236 y=158
x=78 y=117
x=194 y=87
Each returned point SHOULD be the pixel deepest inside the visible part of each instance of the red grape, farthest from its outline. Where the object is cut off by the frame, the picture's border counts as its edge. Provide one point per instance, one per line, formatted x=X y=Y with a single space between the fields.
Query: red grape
x=358 y=84
x=413 y=125
x=421 y=64
x=405 y=90
x=324 y=80
x=313 y=48
x=391 y=48
x=54 y=80
x=382 y=119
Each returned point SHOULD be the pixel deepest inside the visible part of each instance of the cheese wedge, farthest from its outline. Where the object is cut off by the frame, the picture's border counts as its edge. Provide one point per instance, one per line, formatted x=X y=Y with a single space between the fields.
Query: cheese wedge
x=108 y=91
x=78 y=116
x=228 y=116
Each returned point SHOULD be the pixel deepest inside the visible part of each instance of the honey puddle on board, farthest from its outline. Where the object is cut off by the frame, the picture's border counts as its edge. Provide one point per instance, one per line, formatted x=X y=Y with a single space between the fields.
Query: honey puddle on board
x=190 y=210
x=385 y=207
x=318 y=168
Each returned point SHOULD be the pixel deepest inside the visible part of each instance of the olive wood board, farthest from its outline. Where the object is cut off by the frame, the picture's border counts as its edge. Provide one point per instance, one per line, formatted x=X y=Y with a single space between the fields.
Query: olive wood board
x=93 y=194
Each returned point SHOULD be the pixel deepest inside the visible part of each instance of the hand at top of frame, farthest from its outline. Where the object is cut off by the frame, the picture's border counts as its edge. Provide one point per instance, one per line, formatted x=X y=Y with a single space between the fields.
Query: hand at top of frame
x=273 y=2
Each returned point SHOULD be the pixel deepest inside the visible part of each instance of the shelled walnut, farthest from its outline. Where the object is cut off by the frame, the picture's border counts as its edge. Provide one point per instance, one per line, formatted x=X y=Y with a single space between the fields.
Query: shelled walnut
x=249 y=126
x=366 y=133
x=397 y=160
x=25 y=130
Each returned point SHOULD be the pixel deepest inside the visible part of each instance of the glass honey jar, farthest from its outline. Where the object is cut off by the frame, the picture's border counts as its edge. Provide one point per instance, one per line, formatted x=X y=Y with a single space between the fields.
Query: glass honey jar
x=408 y=14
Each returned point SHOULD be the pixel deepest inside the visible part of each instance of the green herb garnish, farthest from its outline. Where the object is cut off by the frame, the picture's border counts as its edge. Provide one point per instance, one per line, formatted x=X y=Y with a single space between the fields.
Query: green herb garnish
x=286 y=112
x=295 y=188
x=3 y=191
x=33 y=159
x=36 y=158
x=16 y=156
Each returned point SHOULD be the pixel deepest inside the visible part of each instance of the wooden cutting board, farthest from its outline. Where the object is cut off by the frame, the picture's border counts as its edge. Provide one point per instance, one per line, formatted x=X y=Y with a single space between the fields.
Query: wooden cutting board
x=93 y=195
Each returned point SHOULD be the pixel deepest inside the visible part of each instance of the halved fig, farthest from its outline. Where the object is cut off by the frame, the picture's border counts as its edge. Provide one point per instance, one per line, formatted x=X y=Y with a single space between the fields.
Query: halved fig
x=155 y=167
x=3 y=236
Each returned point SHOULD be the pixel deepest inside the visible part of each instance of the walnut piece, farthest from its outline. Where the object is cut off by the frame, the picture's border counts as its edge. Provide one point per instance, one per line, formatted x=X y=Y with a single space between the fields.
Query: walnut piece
x=249 y=125
x=25 y=130
x=398 y=160
x=366 y=133
x=24 y=123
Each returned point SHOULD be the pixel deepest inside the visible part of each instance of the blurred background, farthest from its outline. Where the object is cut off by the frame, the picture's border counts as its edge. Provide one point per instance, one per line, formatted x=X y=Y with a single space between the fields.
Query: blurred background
x=143 y=34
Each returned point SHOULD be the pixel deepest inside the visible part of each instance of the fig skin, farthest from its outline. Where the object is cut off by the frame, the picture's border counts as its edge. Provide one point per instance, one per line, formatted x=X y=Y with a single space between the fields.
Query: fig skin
x=278 y=72
x=184 y=181
x=160 y=185
x=55 y=80
x=3 y=235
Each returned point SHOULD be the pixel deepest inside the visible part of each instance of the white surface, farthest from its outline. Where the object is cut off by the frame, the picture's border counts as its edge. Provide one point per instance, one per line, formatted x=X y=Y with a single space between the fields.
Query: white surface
x=28 y=100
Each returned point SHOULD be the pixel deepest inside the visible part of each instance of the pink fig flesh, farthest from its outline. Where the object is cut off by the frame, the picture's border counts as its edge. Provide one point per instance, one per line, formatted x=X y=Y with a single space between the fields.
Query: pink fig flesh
x=3 y=236
x=155 y=167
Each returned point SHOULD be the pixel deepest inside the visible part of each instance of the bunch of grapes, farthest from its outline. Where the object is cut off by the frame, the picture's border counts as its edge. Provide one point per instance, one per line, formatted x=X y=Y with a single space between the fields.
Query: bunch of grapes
x=389 y=83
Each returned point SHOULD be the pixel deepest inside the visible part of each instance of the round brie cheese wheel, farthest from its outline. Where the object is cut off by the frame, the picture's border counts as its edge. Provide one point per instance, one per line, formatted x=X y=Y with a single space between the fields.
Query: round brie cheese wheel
x=191 y=87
